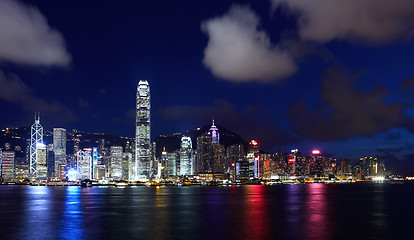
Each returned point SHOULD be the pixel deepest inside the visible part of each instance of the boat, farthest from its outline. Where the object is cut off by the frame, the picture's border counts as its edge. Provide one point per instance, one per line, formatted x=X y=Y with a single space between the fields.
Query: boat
x=86 y=183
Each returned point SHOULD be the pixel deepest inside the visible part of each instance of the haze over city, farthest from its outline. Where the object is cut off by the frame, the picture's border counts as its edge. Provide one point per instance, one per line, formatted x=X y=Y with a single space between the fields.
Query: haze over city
x=286 y=73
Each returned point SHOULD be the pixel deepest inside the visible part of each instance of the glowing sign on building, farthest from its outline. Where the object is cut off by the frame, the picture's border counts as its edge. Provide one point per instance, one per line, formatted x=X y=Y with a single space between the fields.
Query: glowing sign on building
x=316 y=152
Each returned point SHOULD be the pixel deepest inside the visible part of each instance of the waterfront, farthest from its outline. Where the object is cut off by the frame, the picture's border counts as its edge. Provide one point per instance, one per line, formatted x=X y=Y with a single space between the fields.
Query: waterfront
x=300 y=211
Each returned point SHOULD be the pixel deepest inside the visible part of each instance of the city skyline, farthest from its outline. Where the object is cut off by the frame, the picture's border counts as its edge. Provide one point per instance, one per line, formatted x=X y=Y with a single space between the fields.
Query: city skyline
x=346 y=89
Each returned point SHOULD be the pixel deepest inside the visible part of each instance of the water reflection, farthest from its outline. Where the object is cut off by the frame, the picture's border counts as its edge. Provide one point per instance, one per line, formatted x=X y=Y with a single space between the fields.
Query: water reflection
x=71 y=225
x=161 y=227
x=378 y=216
x=317 y=222
x=38 y=215
x=256 y=218
x=186 y=215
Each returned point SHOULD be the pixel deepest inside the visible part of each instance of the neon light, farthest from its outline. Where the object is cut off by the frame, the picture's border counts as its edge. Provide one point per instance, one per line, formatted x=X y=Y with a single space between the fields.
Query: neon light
x=254 y=142
x=316 y=152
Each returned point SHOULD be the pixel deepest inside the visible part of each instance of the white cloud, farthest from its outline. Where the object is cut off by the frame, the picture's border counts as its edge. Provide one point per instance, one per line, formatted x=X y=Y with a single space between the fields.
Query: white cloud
x=370 y=21
x=238 y=51
x=26 y=37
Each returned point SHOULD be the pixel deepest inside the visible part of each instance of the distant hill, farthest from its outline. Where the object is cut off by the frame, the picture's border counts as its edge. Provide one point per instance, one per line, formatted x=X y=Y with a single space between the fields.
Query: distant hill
x=172 y=142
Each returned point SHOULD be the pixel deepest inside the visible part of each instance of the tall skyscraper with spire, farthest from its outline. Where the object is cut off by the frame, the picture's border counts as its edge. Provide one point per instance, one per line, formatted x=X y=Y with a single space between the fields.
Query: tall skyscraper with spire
x=142 y=132
x=36 y=137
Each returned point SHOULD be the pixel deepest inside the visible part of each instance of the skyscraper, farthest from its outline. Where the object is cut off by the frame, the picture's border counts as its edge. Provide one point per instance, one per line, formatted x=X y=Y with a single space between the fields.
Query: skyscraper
x=84 y=163
x=7 y=162
x=142 y=133
x=186 y=156
x=41 y=162
x=36 y=137
x=59 y=147
x=116 y=162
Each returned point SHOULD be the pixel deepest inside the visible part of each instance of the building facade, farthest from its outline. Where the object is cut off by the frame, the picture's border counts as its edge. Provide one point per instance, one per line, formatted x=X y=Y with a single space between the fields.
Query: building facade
x=186 y=156
x=142 y=132
x=59 y=148
x=116 y=162
x=84 y=163
x=41 y=168
x=36 y=137
x=7 y=165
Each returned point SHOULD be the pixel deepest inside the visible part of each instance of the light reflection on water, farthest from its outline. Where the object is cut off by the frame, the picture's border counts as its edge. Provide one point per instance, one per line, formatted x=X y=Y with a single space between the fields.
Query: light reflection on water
x=257 y=221
x=312 y=211
x=71 y=225
x=38 y=214
x=317 y=222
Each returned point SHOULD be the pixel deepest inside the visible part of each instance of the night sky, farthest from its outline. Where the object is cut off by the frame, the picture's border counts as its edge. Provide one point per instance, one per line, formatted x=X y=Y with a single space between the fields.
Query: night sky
x=332 y=75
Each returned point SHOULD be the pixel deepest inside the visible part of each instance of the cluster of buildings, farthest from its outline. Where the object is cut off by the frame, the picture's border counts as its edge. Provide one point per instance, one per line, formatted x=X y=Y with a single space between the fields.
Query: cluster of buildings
x=202 y=158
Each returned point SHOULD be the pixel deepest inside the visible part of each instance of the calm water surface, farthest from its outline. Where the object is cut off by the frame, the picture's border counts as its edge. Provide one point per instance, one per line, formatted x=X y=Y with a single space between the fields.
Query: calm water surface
x=311 y=211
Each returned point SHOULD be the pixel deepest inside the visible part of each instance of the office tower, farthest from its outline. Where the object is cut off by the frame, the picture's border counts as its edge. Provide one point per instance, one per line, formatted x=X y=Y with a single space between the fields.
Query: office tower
x=36 y=137
x=218 y=165
x=253 y=159
x=41 y=165
x=345 y=167
x=142 y=133
x=210 y=154
x=116 y=162
x=186 y=156
x=292 y=162
x=131 y=167
x=59 y=147
x=204 y=153
x=51 y=162
x=330 y=167
x=94 y=161
x=154 y=162
x=84 y=163
x=171 y=164
x=7 y=165
x=316 y=163
x=126 y=159
x=269 y=169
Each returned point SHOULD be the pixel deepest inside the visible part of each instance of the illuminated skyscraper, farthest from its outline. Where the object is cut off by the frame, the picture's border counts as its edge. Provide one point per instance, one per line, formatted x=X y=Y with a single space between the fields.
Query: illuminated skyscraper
x=84 y=163
x=253 y=159
x=186 y=156
x=171 y=164
x=59 y=147
x=215 y=136
x=116 y=162
x=41 y=166
x=316 y=162
x=36 y=137
x=7 y=162
x=94 y=161
x=142 y=133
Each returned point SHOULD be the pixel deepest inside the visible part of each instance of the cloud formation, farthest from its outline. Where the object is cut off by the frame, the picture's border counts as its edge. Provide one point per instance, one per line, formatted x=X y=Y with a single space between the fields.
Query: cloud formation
x=14 y=90
x=253 y=122
x=26 y=37
x=239 y=51
x=345 y=111
x=370 y=21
